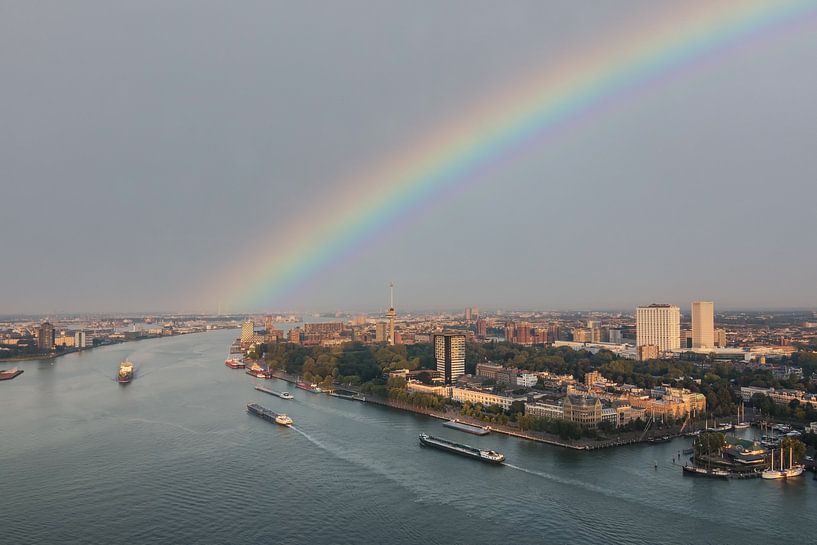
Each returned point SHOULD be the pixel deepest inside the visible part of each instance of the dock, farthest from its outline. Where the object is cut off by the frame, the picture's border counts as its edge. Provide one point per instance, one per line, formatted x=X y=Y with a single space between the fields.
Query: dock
x=467 y=428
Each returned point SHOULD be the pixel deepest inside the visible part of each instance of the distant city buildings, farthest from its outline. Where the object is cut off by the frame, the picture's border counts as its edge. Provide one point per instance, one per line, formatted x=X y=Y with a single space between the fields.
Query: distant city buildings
x=449 y=350
x=659 y=325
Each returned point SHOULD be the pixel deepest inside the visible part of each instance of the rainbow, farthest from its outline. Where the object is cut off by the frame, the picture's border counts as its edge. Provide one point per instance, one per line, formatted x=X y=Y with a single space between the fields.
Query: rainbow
x=493 y=131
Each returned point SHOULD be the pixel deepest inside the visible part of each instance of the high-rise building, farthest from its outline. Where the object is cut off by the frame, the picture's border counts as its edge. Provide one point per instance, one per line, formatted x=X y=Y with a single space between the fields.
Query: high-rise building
x=482 y=328
x=510 y=332
x=703 y=324
x=582 y=335
x=391 y=314
x=269 y=323
x=449 y=349
x=659 y=325
x=471 y=313
x=45 y=337
x=523 y=333
x=295 y=335
x=720 y=338
x=381 y=332
x=247 y=331
x=80 y=339
x=614 y=336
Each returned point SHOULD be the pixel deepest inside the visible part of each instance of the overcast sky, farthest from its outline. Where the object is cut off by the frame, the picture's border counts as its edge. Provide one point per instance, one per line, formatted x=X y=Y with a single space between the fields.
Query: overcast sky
x=145 y=145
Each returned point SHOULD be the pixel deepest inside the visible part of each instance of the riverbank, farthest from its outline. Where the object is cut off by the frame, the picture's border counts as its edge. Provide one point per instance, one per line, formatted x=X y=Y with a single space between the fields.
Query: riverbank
x=585 y=444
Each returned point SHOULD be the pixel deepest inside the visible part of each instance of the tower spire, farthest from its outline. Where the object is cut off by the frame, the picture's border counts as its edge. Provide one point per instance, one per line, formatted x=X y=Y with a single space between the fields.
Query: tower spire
x=391 y=313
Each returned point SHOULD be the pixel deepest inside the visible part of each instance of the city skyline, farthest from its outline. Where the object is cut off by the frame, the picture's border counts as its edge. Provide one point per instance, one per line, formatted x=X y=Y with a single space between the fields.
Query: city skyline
x=159 y=202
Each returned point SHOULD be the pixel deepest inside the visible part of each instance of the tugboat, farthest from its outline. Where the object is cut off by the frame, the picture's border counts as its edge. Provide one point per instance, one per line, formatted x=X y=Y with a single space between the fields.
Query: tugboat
x=125 y=372
x=488 y=456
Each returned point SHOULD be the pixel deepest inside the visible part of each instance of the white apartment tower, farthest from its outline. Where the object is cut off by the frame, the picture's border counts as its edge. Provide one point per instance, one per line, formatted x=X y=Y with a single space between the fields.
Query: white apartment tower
x=658 y=325
x=703 y=324
x=449 y=349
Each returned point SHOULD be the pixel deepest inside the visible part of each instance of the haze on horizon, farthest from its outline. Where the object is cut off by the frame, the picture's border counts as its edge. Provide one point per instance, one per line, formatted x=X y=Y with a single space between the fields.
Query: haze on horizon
x=147 y=146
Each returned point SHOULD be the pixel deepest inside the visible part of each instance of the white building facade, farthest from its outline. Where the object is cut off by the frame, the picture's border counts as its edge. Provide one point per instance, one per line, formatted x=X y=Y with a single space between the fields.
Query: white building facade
x=659 y=325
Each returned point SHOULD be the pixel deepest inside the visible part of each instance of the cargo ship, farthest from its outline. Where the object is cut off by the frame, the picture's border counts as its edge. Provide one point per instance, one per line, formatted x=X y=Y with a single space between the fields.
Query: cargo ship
x=268 y=415
x=282 y=395
x=233 y=363
x=8 y=374
x=125 y=372
x=488 y=456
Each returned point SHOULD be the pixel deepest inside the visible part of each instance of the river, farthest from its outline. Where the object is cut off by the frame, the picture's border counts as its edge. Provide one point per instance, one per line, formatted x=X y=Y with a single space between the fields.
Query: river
x=175 y=458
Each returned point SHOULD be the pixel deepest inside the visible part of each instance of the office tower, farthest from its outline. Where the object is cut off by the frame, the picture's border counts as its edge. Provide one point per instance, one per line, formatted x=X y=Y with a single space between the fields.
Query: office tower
x=391 y=314
x=247 y=331
x=45 y=337
x=449 y=349
x=703 y=324
x=614 y=336
x=381 y=332
x=658 y=325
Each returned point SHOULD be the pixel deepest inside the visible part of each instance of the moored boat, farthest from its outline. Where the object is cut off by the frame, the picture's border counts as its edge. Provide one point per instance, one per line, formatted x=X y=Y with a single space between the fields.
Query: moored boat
x=489 y=456
x=8 y=374
x=282 y=395
x=233 y=363
x=696 y=471
x=309 y=387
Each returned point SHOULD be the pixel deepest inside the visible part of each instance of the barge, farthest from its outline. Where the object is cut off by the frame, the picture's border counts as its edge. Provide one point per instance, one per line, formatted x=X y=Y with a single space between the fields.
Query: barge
x=268 y=415
x=282 y=395
x=467 y=428
x=8 y=374
x=468 y=451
